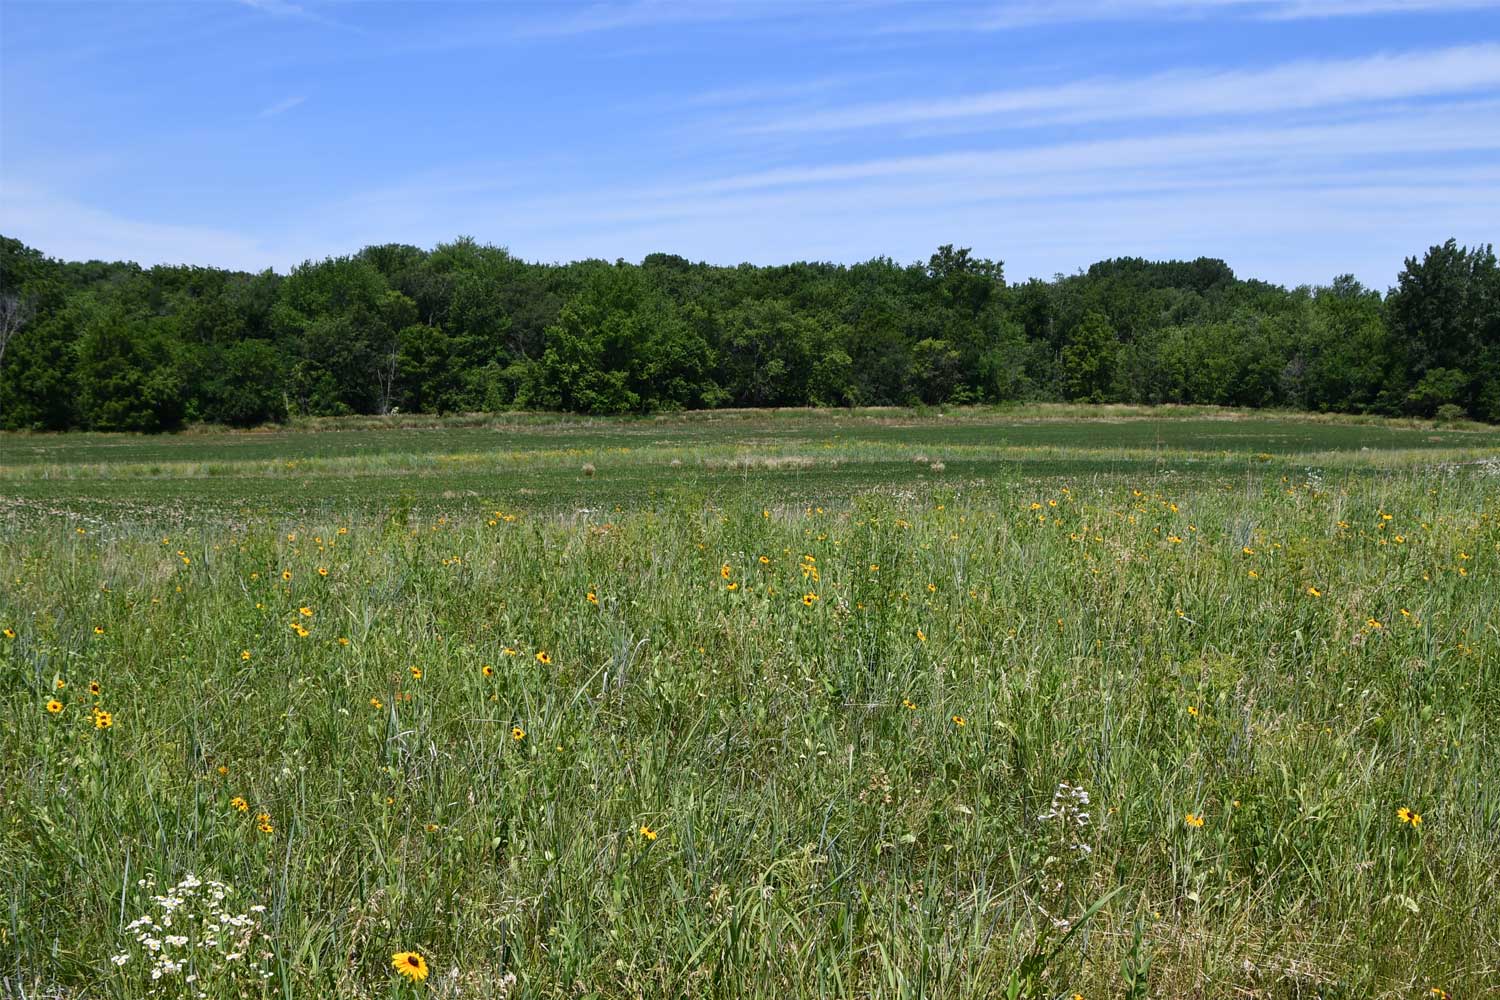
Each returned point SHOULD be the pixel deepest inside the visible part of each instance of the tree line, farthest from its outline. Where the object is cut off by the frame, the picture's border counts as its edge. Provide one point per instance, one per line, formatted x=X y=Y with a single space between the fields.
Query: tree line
x=467 y=327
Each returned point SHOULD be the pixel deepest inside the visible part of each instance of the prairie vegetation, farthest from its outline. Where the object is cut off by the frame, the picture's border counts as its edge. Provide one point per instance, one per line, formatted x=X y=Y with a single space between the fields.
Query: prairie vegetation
x=986 y=704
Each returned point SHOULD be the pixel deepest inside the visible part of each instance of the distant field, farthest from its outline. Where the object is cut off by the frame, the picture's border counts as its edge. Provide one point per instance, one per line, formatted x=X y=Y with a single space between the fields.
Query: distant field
x=794 y=456
x=1040 y=703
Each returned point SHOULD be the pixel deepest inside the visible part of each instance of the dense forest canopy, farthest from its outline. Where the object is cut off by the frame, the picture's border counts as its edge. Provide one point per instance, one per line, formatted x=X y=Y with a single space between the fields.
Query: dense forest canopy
x=467 y=327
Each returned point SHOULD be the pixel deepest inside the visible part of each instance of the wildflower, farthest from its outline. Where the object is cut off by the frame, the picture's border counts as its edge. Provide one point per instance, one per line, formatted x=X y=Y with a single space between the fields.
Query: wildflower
x=9 y=633
x=410 y=964
x=725 y=570
x=286 y=575
x=103 y=719
x=517 y=733
x=1254 y=575
x=808 y=599
x=543 y=657
x=322 y=571
x=507 y=651
x=431 y=827
x=1314 y=592
x=244 y=654
x=239 y=804
x=95 y=688
x=765 y=560
x=959 y=721
x=647 y=832
x=1248 y=551
x=54 y=706
x=1193 y=820
x=98 y=629
x=59 y=684
x=908 y=704
x=921 y=636
x=874 y=567
x=487 y=670
x=343 y=640
x=1405 y=815
x=592 y=598
x=416 y=673
x=305 y=612
x=376 y=704
x=1193 y=711
x=343 y=531
x=266 y=827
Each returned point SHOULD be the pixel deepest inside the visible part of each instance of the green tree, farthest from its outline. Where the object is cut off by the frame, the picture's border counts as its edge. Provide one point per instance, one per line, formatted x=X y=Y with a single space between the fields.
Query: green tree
x=1088 y=359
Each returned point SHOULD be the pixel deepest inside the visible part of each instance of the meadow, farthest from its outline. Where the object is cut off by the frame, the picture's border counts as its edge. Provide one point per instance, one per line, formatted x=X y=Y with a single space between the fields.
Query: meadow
x=1046 y=702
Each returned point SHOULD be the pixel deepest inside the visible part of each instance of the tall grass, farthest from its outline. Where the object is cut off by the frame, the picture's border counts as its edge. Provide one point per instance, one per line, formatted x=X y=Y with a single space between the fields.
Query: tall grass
x=777 y=751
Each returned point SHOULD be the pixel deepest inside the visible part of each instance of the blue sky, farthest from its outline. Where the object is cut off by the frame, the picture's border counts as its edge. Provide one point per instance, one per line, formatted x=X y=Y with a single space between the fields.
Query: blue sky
x=1297 y=139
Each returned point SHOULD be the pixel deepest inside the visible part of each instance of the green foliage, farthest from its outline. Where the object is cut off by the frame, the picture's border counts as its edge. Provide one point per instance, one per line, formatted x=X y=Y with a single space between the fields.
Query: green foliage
x=470 y=328
x=1088 y=360
x=129 y=378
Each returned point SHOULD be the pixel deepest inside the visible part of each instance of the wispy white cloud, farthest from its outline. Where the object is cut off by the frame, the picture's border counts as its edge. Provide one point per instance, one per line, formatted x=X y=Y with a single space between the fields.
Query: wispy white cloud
x=1187 y=93
x=278 y=8
x=67 y=228
x=1026 y=13
x=281 y=107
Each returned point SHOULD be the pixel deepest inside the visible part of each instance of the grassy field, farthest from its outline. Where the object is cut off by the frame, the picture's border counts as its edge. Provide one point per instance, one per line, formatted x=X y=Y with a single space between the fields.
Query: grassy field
x=1032 y=703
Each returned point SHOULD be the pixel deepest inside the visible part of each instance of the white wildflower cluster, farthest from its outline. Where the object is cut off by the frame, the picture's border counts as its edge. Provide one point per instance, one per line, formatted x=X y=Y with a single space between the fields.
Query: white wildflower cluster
x=1063 y=870
x=1069 y=811
x=191 y=943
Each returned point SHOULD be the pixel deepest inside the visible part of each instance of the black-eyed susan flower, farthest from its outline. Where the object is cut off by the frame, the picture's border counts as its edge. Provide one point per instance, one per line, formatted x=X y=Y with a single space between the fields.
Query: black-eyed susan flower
x=542 y=656
x=517 y=733
x=238 y=804
x=98 y=629
x=410 y=964
x=809 y=599
x=908 y=704
x=265 y=826
x=1193 y=820
x=54 y=706
x=921 y=636
x=376 y=703
x=305 y=611
x=8 y=632
x=322 y=570
x=286 y=575
x=592 y=597
x=487 y=670
x=416 y=673
x=647 y=833
x=59 y=683
x=959 y=721
x=95 y=688
x=1406 y=815
x=103 y=719
x=244 y=654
